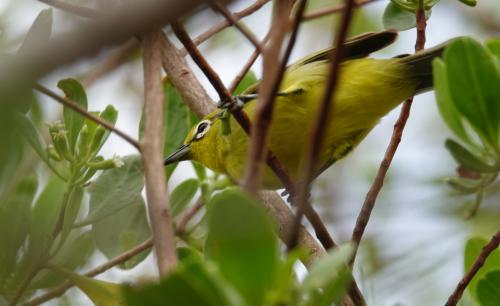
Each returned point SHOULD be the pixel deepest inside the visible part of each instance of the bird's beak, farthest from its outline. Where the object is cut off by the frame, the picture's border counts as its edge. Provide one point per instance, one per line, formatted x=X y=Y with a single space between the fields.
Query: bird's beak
x=179 y=155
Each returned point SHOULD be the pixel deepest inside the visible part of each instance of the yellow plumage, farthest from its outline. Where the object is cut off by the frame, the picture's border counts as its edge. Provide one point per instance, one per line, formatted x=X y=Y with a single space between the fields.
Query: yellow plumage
x=367 y=90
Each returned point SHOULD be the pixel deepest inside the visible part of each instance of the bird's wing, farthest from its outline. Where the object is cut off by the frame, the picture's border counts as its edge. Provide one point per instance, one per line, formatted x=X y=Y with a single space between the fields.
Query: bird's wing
x=356 y=47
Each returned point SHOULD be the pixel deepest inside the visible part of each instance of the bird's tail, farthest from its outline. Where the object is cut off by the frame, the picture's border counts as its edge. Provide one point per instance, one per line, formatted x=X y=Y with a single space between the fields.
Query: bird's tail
x=421 y=65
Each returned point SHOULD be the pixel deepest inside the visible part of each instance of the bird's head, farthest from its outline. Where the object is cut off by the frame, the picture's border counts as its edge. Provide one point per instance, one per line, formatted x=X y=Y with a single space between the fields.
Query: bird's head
x=199 y=144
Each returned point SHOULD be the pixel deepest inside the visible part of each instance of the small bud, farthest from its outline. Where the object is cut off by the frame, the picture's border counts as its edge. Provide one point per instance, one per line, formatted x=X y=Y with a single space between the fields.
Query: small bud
x=52 y=153
x=83 y=142
x=114 y=162
x=55 y=127
x=96 y=143
x=61 y=144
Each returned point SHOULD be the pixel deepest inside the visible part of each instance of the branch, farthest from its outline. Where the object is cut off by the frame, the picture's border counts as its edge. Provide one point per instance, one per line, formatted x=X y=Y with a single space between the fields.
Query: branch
x=180 y=227
x=371 y=196
x=318 y=129
x=77 y=108
x=73 y=9
x=478 y=263
x=152 y=149
x=268 y=87
x=236 y=23
x=60 y=290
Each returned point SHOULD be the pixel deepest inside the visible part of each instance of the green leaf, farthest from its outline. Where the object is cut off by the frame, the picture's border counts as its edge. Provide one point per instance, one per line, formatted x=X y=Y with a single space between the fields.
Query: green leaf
x=248 y=80
x=115 y=189
x=472 y=250
x=71 y=211
x=73 y=121
x=400 y=19
x=469 y=2
x=38 y=33
x=177 y=121
x=467 y=159
x=444 y=101
x=30 y=133
x=191 y=284
x=242 y=242
x=110 y=115
x=488 y=289
x=474 y=84
x=182 y=195
x=493 y=46
x=15 y=219
x=330 y=273
x=75 y=253
x=100 y=292
x=45 y=215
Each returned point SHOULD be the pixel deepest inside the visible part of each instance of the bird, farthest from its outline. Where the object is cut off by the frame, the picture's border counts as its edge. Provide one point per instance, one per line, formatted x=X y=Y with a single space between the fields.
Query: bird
x=367 y=89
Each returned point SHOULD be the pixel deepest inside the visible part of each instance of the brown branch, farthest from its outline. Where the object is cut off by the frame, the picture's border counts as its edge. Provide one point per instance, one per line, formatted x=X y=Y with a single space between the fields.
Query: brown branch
x=225 y=24
x=371 y=196
x=77 y=108
x=478 y=263
x=24 y=285
x=114 y=61
x=318 y=129
x=187 y=216
x=268 y=87
x=61 y=289
x=236 y=23
x=239 y=77
x=73 y=9
x=331 y=10
x=152 y=149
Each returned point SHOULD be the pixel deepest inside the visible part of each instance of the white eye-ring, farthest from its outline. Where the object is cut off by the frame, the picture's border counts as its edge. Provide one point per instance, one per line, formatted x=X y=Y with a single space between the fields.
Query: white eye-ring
x=202 y=129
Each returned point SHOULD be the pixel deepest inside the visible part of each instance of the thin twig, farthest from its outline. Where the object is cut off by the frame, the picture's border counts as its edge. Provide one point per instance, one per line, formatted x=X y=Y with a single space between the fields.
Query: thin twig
x=236 y=23
x=73 y=9
x=239 y=77
x=24 y=285
x=318 y=129
x=225 y=24
x=268 y=87
x=61 y=289
x=77 y=108
x=478 y=263
x=371 y=196
x=114 y=61
x=331 y=10
x=152 y=148
x=180 y=227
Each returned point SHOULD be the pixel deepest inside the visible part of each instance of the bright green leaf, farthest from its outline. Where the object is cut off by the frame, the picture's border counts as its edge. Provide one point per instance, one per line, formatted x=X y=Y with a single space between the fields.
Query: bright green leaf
x=30 y=133
x=467 y=159
x=182 y=195
x=444 y=101
x=245 y=252
x=110 y=115
x=472 y=250
x=474 y=84
x=469 y=2
x=488 y=288
x=248 y=80
x=493 y=46
x=38 y=33
x=71 y=211
x=395 y=17
x=100 y=292
x=73 y=121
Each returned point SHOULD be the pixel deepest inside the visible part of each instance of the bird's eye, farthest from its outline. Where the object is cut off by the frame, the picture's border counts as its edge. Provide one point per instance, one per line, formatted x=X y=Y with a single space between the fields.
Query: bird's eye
x=202 y=129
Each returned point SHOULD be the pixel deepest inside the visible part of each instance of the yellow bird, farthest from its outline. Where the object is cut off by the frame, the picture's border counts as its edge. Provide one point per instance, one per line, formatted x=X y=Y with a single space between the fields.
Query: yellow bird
x=367 y=90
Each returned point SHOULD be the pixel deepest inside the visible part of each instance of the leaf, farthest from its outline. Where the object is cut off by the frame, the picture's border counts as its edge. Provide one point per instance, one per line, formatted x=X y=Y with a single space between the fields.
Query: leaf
x=73 y=121
x=75 y=253
x=15 y=219
x=246 y=252
x=177 y=121
x=444 y=101
x=493 y=46
x=115 y=189
x=45 y=214
x=110 y=115
x=488 y=288
x=100 y=292
x=400 y=19
x=71 y=211
x=30 y=133
x=474 y=84
x=248 y=80
x=38 y=33
x=469 y=2
x=472 y=250
x=191 y=284
x=468 y=160
x=182 y=195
